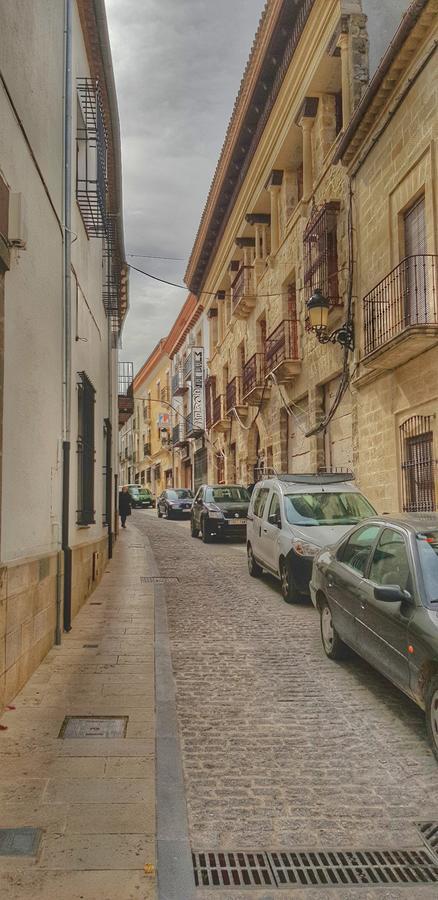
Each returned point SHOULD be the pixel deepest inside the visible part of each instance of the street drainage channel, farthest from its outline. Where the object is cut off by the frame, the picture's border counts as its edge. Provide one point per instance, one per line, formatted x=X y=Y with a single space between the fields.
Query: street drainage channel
x=317 y=868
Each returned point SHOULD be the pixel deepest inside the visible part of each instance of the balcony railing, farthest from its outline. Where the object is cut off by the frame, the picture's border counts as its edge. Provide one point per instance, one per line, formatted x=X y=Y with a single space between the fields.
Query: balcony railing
x=254 y=373
x=234 y=393
x=125 y=391
x=187 y=367
x=218 y=409
x=146 y=450
x=179 y=434
x=405 y=298
x=282 y=344
x=243 y=291
x=178 y=386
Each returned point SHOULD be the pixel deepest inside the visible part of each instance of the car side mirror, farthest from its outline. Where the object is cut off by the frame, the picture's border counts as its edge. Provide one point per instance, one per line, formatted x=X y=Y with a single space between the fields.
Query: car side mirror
x=391 y=593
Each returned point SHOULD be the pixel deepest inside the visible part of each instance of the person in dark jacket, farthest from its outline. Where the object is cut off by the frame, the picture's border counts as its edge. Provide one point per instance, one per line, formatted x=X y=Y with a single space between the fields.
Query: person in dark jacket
x=124 y=505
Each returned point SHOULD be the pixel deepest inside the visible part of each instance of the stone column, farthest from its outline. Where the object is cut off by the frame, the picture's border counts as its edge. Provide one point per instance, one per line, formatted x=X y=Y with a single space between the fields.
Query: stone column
x=275 y=225
x=307 y=125
x=257 y=243
x=343 y=43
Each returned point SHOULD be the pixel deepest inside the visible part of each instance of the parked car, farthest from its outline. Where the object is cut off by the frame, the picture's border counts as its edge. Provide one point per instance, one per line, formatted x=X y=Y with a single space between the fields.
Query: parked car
x=377 y=592
x=218 y=510
x=291 y=517
x=141 y=497
x=174 y=502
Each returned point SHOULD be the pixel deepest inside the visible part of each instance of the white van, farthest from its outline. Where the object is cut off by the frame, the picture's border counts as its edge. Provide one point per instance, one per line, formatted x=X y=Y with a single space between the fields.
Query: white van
x=291 y=517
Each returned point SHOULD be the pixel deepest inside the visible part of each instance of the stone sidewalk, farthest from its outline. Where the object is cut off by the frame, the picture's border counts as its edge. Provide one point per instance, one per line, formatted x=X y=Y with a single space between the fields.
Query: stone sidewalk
x=93 y=798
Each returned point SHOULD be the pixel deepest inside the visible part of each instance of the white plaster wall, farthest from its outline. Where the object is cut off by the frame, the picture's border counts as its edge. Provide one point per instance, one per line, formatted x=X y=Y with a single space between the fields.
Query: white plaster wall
x=31 y=54
x=33 y=286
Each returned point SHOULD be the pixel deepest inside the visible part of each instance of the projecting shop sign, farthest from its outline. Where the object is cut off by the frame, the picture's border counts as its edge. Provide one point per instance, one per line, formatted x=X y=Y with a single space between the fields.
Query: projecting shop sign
x=198 y=401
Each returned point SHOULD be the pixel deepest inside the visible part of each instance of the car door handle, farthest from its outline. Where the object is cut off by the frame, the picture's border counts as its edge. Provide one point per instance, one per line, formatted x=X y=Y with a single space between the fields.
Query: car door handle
x=265 y=531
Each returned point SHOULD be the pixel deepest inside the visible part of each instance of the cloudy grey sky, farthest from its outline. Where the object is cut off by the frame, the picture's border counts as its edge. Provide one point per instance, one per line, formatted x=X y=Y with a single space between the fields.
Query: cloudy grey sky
x=178 y=66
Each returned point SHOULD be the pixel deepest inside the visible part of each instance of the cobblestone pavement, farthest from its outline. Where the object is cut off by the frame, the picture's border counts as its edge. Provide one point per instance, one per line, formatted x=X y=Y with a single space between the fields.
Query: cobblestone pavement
x=281 y=747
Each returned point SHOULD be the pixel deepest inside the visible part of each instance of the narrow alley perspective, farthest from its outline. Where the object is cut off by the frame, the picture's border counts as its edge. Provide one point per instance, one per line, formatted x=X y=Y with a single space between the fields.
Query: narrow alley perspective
x=218 y=450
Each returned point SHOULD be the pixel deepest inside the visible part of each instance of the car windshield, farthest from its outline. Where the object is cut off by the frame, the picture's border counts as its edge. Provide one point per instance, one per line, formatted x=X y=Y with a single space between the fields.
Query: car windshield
x=134 y=490
x=228 y=493
x=179 y=494
x=428 y=552
x=326 y=509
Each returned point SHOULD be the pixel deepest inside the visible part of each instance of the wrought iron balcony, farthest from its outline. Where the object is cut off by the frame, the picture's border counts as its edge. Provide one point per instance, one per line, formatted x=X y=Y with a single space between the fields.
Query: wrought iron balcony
x=146 y=450
x=179 y=435
x=91 y=171
x=254 y=386
x=178 y=385
x=243 y=292
x=220 y=422
x=281 y=351
x=235 y=395
x=125 y=391
x=401 y=312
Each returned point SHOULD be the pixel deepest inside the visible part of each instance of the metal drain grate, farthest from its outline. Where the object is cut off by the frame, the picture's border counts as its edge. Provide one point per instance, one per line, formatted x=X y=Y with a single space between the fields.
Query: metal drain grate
x=157 y=579
x=341 y=868
x=94 y=603
x=20 y=841
x=232 y=870
x=361 y=867
x=90 y=646
x=94 y=727
x=429 y=833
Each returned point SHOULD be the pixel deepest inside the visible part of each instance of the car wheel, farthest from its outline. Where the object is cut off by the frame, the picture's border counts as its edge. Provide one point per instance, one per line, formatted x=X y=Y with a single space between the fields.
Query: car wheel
x=194 y=531
x=334 y=647
x=205 y=531
x=169 y=514
x=159 y=513
x=288 y=584
x=432 y=713
x=253 y=567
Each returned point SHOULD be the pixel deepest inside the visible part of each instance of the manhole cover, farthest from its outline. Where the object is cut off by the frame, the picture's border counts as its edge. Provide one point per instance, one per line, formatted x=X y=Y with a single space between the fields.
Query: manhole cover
x=94 y=727
x=429 y=833
x=362 y=867
x=157 y=579
x=232 y=870
x=20 y=841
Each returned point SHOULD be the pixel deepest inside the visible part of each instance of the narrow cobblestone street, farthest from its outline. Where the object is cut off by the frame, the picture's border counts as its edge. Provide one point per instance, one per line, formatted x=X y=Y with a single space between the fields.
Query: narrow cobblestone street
x=281 y=747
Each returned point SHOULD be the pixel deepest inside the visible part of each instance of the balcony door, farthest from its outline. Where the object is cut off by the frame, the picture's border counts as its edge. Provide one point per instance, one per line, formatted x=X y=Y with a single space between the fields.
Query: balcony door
x=416 y=275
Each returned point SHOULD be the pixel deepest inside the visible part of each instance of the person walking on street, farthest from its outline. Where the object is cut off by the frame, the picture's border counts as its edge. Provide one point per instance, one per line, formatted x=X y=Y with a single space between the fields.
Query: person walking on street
x=124 y=505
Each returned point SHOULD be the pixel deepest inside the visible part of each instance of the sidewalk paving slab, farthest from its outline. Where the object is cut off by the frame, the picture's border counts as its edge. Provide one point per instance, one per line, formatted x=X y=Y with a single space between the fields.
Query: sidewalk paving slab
x=94 y=798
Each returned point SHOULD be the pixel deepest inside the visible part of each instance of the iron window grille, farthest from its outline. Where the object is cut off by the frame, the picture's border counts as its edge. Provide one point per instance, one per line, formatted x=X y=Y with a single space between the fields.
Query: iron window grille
x=91 y=157
x=86 y=451
x=418 y=464
x=321 y=253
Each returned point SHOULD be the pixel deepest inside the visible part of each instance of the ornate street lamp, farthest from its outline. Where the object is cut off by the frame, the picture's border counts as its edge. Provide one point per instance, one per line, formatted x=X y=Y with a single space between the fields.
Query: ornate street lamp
x=318 y=307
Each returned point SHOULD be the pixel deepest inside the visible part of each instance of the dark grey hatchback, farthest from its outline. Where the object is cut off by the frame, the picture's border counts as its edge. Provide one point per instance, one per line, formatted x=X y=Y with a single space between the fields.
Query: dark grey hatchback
x=377 y=592
x=218 y=510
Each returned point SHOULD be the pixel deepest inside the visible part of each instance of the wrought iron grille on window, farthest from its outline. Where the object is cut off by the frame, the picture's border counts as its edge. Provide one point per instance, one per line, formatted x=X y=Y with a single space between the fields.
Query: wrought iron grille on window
x=418 y=464
x=321 y=253
x=86 y=395
x=91 y=150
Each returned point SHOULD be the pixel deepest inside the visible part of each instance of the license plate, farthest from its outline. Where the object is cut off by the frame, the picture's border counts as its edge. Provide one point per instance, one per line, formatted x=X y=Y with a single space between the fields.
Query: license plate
x=237 y=521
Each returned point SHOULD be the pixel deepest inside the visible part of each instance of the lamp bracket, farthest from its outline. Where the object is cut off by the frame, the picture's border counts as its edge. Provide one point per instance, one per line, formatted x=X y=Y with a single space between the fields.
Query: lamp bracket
x=343 y=335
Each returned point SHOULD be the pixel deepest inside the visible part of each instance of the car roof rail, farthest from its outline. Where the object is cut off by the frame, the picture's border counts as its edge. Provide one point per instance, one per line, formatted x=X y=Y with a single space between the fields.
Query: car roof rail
x=317 y=478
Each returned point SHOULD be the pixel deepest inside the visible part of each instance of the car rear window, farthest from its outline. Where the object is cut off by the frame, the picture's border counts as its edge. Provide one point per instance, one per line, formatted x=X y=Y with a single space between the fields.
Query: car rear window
x=428 y=552
x=226 y=492
x=328 y=508
x=179 y=494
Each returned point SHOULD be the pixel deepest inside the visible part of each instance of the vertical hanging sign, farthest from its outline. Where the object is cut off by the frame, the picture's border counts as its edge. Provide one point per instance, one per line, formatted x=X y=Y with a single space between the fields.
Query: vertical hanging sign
x=198 y=395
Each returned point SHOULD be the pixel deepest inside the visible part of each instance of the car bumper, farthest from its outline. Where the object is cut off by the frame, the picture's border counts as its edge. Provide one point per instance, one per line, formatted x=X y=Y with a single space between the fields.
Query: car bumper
x=227 y=527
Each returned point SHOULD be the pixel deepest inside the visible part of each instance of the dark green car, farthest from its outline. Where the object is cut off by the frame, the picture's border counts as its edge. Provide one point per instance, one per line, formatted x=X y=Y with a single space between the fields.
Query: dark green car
x=141 y=497
x=377 y=592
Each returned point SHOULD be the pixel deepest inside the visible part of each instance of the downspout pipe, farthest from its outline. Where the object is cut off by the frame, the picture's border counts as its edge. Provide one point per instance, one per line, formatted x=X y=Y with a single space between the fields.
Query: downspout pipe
x=67 y=316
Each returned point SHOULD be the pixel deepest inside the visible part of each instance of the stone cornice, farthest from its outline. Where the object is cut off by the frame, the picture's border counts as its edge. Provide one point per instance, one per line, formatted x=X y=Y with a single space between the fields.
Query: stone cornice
x=280 y=28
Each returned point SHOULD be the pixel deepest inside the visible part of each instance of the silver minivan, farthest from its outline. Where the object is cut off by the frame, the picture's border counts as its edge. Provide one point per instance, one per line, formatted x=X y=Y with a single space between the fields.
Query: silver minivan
x=291 y=517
